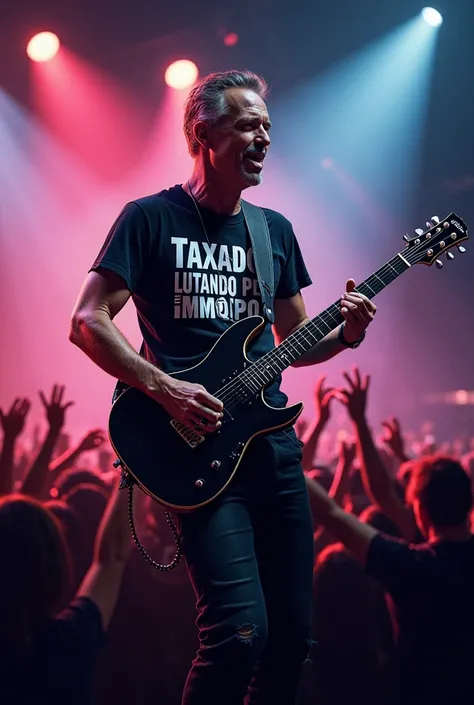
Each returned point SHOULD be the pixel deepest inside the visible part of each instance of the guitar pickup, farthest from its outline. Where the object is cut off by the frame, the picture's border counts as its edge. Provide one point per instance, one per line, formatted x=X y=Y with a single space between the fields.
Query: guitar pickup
x=192 y=438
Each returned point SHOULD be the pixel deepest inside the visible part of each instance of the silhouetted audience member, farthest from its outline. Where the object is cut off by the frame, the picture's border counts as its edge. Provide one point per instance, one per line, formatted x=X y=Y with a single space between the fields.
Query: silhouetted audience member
x=431 y=585
x=354 y=659
x=48 y=658
x=88 y=502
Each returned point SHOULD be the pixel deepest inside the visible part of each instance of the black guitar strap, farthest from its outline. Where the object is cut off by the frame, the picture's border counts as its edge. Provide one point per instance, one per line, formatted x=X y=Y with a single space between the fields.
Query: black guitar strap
x=259 y=234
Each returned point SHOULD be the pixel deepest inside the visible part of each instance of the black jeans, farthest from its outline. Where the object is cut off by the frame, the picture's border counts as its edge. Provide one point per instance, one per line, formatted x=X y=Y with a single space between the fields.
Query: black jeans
x=250 y=558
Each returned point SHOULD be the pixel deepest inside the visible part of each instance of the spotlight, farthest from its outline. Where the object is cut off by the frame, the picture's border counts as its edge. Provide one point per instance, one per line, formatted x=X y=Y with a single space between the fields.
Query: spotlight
x=432 y=16
x=43 y=46
x=181 y=74
x=231 y=39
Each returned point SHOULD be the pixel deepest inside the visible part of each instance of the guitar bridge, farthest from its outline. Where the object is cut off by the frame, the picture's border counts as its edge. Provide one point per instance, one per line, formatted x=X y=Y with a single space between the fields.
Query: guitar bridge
x=192 y=438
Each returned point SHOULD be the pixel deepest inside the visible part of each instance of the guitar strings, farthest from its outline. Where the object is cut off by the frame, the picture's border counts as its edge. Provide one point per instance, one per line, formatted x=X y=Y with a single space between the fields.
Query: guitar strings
x=229 y=394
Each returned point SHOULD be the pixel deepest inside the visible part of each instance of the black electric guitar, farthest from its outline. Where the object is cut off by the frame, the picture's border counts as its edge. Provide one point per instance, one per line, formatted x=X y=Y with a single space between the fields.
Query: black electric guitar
x=183 y=469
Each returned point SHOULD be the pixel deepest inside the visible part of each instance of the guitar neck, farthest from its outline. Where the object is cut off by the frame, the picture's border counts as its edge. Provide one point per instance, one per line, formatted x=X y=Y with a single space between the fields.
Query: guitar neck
x=272 y=364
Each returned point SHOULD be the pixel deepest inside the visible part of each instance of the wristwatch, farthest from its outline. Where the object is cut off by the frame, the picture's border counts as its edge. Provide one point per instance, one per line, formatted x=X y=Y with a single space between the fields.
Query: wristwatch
x=343 y=341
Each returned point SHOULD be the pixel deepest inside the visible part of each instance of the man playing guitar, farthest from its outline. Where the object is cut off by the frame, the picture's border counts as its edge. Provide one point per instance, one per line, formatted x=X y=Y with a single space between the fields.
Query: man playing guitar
x=184 y=257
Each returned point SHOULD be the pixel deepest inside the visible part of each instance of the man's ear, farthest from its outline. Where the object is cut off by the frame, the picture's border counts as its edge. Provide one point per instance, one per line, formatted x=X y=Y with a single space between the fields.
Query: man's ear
x=201 y=134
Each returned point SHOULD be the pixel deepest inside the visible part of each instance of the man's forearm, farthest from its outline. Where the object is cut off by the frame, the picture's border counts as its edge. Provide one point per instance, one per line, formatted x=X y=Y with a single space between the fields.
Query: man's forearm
x=327 y=348
x=98 y=336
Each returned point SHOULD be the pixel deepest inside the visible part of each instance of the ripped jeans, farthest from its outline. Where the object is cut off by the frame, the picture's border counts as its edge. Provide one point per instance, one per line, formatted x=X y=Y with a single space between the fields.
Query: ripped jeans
x=250 y=559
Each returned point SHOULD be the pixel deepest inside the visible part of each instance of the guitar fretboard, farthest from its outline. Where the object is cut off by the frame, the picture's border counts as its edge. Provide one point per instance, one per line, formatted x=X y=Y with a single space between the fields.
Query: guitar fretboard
x=260 y=373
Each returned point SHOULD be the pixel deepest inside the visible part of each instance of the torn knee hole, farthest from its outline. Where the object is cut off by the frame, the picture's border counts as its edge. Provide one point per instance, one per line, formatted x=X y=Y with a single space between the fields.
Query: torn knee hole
x=246 y=633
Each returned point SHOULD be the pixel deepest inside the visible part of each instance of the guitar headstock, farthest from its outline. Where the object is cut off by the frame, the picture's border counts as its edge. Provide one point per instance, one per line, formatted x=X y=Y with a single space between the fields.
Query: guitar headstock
x=440 y=236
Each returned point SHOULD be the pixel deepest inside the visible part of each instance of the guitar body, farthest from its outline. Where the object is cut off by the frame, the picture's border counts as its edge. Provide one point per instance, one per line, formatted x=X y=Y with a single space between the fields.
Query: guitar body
x=164 y=460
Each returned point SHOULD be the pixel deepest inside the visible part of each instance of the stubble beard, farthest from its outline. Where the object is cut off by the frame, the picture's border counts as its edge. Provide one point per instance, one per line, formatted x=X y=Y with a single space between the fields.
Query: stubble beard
x=249 y=178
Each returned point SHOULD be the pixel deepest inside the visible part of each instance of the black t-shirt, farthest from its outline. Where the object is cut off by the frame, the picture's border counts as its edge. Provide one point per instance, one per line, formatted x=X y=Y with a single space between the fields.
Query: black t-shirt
x=59 y=666
x=187 y=291
x=432 y=588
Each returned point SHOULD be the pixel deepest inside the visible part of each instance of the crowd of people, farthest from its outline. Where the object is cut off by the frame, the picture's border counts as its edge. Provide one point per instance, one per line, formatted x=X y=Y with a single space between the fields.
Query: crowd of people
x=86 y=619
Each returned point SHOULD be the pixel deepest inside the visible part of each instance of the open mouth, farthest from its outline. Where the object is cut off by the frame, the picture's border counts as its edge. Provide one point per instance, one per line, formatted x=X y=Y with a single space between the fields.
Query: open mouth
x=255 y=158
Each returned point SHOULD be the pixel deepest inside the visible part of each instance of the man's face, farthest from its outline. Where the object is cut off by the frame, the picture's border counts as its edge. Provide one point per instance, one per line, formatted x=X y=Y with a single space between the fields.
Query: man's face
x=240 y=141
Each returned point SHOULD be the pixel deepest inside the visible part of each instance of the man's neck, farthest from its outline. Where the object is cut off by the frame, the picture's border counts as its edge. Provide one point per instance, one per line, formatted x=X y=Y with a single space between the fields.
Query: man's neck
x=208 y=191
x=450 y=533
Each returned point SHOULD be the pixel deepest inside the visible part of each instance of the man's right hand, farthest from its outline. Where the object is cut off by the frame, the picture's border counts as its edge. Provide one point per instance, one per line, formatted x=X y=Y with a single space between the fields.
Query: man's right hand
x=189 y=403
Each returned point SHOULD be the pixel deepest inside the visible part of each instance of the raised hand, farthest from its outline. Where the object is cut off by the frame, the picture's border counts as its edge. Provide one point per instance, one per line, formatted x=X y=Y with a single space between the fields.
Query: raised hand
x=322 y=399
x=92 y=440
x=347 y=452
x=55 y=409
x=190 y=404
x=393 y=437
x=13 y=421
x=358 y=312
x=354 y=397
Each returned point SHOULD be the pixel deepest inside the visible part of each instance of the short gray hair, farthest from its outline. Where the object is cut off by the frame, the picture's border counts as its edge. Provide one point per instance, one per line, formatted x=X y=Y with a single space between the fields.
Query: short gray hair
x=206 y=102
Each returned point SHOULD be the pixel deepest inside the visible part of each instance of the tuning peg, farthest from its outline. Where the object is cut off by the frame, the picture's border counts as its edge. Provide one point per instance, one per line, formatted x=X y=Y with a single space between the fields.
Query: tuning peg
x=418 y=232
x=461 y=249
x=434 y=219
x=439 y=264
x=428 y=224
x=449 y=255
x=406 y=238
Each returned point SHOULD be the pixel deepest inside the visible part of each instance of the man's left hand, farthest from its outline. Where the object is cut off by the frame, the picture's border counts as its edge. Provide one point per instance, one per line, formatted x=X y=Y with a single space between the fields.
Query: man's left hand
x=357 y=310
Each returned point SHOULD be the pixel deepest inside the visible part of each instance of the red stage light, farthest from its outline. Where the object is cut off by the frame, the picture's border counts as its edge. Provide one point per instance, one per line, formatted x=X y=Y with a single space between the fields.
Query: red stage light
x=43 y=46
x=181 y=74
x=231 y=39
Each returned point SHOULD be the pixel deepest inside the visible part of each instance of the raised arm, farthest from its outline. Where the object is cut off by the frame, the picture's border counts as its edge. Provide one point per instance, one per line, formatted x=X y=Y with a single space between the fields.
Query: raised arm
x=112 y=548
x=339 y=486
x=377 y=481
x=13 y=423
x=393 y=439
x=91 y=441
x=312 y=434
x=36 y=480
x=345 y=527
